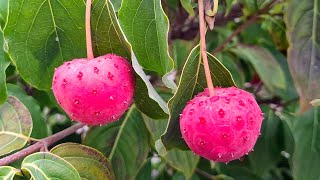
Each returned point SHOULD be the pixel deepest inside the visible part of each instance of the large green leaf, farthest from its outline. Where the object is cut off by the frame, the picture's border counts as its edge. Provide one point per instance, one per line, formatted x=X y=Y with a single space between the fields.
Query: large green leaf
x=306 y=157
x=125 y=143
x=39 y=129
x=4 y=63
x=192 y=82
x=108 y=38
x=8 y=173
x=47 y=166
x=184 y=161
x=42 y=35
x=275 y=136
x=15 y=125
x=146 y=26
x=265 y=64
x=303 y=32
x=81 y=157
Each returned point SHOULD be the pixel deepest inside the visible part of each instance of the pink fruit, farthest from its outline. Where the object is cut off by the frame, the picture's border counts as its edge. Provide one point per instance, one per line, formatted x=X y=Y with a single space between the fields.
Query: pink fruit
x=96 y=91
x=223 y=127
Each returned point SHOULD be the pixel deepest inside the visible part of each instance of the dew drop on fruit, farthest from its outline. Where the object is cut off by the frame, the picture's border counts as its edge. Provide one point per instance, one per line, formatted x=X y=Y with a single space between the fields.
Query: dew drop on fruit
x=224 y=135
x=221 y=113
x=239 y=118
x=202 y=143
x=113 y=117
x=125 y=102
x=219 y=155
x=125 y=84
x=79 y=76
x=232 y=155
x=111 y=98
x=200 y=103
x=184 y=131
x=59 y=102
x=96 y=70
x=251 y=119
x=73 y=114
x=241 y=103
x=64 y=83
x=97 y=113
x=202 y=120
x=76 y=101
x=94 y=91
x=245 y=139
x=110 y=76
x=191 y=111
x=250 y=101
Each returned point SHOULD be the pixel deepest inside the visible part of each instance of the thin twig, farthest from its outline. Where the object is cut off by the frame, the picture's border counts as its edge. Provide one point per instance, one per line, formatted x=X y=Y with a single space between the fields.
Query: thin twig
x=241 y=28
x=46 y=142
x=88 y=30
x=205 y=174
x=203 y=48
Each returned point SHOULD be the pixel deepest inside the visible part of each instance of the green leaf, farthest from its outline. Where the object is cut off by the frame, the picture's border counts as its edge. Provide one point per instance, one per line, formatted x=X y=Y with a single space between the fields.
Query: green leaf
x=39 y=129
x=126 y=144
x=105 y=22
x=192 y=82
x=147 y=99
x=8 y=173
x=180 y=51
x=270 y=144
x=188 y=5
x=106 y=32
x=146 y=26
x=116 y=4
x=15 y=125
x=145 y=171
x=184 y=161
x=315 y=102
x=47 y=166
x=265 y=64
x=4 y=63
x=81 y=157
x=302 y=20
x=3 y=12
x=42 y=35
x=306 y=157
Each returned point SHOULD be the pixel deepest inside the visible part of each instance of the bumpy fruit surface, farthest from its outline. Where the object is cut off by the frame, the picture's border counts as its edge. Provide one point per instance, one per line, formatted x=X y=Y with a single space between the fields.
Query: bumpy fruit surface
x=96 y=91
x=223 y=127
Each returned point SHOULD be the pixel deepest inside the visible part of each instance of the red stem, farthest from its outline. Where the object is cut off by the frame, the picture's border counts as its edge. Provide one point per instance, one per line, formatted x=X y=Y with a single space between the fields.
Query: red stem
x=88 y=30
x=203 y=48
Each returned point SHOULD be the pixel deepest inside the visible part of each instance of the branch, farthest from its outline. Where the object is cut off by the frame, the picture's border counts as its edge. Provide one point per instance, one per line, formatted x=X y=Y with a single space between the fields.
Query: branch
x=48 y=141
x=253 y=19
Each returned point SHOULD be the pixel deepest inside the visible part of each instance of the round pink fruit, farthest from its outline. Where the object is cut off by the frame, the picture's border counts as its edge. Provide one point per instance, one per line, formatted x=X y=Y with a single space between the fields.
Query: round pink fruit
x=96 y=91
x=223 y=127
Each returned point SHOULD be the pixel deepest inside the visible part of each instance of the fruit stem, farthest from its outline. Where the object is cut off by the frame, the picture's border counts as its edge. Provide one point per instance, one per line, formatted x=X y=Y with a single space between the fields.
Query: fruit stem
x=203 y=49
x=88 y=30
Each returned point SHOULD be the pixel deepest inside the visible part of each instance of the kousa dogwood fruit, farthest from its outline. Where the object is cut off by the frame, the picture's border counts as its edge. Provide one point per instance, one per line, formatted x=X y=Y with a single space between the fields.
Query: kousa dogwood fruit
x=96 y=91
x=223 y=127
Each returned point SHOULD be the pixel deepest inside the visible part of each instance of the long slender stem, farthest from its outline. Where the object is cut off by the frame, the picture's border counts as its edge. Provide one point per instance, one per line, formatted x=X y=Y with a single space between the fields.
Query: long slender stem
x=252 y=19
x=203 y=48
x=88 y=30
x=42 y=143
